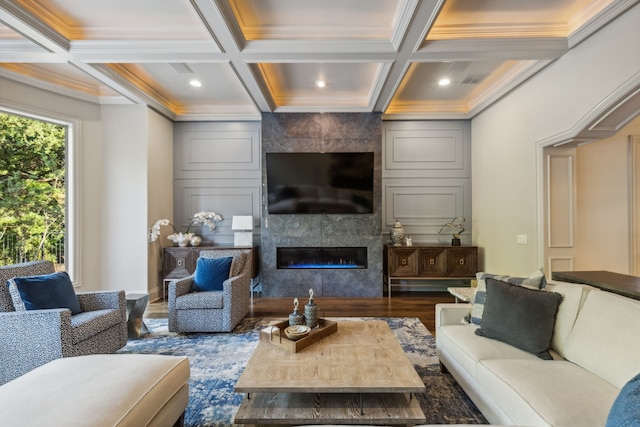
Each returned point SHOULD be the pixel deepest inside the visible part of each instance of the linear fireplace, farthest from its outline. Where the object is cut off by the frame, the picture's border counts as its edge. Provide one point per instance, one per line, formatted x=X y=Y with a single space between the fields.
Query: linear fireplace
x=321 y=257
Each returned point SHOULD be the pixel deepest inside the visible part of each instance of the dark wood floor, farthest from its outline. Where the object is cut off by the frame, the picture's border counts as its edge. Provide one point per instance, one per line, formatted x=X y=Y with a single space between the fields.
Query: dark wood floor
x=402 y=304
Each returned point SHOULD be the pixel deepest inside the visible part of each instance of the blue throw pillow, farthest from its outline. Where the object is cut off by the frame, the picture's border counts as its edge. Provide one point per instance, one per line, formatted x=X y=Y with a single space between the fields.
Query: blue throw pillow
x=53 y=290
x=210 y=273
x=625 y=411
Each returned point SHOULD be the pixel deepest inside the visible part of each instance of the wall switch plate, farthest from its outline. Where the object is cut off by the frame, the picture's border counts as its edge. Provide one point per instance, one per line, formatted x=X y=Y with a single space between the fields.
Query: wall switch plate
x=522 y=239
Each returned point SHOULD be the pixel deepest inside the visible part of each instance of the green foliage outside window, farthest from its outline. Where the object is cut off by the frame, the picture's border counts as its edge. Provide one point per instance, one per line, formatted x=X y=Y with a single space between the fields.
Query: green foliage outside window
x=32 y=190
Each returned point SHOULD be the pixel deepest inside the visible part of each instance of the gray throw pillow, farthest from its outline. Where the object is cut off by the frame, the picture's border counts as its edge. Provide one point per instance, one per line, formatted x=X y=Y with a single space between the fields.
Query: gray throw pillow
x=521 y=317
x=536 y=280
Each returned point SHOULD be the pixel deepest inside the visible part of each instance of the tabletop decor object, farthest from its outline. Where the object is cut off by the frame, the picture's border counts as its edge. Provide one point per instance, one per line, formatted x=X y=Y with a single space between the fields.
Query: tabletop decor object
x=458 y=229
x=242 y=226
x=275 y=334
x=311 y=312
x=296 y=318
x=397 y=234
x=183 y=239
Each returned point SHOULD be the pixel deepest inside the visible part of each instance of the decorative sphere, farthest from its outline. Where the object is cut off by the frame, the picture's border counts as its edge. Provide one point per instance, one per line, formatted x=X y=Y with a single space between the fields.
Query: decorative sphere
x=196 y=241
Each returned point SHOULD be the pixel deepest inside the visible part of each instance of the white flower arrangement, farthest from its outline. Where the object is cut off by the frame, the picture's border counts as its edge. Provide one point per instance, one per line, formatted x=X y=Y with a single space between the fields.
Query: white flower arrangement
x=155 y=229
x=203 y=218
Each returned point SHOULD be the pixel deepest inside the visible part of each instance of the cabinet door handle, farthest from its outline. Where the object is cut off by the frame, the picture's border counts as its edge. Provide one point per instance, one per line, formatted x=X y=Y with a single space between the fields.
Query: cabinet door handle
x=403 y=261
x=432 y=261
x=461 y=261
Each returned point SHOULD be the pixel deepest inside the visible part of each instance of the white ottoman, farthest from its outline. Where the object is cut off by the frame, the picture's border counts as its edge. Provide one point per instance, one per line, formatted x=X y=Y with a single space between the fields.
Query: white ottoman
x=99 y=390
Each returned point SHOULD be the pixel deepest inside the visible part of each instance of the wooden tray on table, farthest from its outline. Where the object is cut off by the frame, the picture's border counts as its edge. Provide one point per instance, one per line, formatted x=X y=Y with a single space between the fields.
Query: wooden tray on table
x=279 y=339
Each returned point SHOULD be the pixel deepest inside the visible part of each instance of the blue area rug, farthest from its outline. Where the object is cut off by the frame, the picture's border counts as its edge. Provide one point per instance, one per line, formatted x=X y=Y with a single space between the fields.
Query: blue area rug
x=217 y=360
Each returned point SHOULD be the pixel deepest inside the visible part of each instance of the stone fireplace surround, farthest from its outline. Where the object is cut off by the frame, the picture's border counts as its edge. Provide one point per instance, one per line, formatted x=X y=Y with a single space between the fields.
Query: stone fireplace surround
x=322 y=132
x=309 y=257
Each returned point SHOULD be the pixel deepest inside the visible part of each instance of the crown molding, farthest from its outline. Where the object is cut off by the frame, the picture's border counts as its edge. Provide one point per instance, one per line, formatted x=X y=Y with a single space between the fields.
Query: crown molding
x=586 y=129
x=31 y=27
x=334 y=47
x=147 y=51
x=36 y=82
x=507 y=82
x=496 y=48
x=492 y=31
x=596 y=17
x=406 y=13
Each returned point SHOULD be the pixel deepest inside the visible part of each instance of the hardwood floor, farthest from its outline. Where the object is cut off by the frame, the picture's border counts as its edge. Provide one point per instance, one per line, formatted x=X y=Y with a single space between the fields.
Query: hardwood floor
x=402 y=304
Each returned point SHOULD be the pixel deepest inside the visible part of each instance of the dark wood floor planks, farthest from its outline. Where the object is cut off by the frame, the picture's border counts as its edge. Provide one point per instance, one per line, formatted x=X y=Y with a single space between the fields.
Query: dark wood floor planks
x=402 y=304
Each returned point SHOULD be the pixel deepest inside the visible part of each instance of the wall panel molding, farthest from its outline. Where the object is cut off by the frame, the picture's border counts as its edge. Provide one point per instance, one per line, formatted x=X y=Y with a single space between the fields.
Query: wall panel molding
x=426 y=178
x=559 y=264
x=217 y=167
x=560 y=196
x=217 y=150
x=426 y=149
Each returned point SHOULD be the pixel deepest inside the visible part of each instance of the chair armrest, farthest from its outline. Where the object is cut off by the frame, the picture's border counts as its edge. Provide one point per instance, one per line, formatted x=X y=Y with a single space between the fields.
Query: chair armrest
x=235 y=291
x=102 y=300
x=180 y=287
x=450 y=314
x=31 y=338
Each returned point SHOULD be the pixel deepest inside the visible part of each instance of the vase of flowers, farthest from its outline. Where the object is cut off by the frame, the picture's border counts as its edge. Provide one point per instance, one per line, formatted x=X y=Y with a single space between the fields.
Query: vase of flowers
x=182 y=239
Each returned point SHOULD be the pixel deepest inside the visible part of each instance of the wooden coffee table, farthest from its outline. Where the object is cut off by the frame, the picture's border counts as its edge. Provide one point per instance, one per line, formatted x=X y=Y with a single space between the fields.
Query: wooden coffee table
x=357 y=375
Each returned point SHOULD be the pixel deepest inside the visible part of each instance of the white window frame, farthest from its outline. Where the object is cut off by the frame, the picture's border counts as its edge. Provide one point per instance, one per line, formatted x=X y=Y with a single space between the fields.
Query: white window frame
x=73 y=182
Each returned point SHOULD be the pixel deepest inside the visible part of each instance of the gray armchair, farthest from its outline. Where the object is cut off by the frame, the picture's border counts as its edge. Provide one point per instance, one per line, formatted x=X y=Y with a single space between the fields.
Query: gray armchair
x=212 y=311
x=30 y=338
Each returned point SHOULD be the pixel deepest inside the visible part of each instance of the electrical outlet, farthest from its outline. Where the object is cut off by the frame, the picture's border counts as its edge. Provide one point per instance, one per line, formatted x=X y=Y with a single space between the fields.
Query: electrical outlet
x=522 y=239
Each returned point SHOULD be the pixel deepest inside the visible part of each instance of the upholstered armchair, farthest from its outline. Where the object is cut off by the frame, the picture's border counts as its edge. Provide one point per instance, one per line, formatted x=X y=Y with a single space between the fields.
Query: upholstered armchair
x=193 y=308
x=32 y=337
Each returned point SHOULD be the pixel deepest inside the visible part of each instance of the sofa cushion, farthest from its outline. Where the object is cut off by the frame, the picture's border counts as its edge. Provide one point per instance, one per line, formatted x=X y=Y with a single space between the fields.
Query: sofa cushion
x=605 y=335
x=211 y=273
x=43 y=292
x=535 y=281
x=468 y=349
x=625 y=411
x=519 y=316
x=573 y=296
x=539 y=392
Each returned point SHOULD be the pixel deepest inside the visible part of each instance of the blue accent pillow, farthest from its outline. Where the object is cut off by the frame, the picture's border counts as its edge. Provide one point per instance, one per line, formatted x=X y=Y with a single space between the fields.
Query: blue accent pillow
x=625 y=411
x=210 y=273
x=53 y=290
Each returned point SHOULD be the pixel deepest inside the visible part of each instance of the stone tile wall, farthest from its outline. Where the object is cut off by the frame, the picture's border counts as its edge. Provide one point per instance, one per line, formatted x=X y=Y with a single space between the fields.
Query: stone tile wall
x=322 y=132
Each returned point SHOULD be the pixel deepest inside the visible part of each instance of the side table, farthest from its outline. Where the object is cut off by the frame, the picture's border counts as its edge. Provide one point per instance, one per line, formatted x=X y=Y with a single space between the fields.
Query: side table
x=464 y=294
x=136 y=305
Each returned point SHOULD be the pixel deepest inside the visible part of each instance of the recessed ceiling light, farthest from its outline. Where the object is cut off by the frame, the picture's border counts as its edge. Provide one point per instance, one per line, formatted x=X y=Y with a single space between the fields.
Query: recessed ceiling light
x=321 y=83
x=444 y=82
x=195 y=83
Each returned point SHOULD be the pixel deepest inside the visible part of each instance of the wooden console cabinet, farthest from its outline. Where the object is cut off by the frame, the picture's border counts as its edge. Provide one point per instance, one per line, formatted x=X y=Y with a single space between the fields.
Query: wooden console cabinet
x=433 y=262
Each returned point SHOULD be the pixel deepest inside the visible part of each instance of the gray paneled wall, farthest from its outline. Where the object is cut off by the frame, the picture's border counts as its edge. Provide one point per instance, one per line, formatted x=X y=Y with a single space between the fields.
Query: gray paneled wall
x=422 y=178
x=217 y=168
x=426 y=178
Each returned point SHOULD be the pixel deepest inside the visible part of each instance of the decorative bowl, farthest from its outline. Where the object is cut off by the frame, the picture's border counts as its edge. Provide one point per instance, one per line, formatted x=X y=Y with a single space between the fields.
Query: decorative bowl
x=297 y=331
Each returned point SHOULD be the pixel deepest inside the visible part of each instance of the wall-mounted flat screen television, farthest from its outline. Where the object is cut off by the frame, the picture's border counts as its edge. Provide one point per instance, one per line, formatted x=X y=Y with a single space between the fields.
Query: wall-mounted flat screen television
x=320 y=183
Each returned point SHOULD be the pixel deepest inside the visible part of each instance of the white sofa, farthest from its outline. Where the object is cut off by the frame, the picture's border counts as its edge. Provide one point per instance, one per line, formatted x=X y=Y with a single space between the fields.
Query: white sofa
x=596 y=350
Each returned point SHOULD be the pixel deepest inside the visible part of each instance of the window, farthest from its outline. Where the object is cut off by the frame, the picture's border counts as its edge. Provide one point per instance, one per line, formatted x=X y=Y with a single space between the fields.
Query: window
x=38 y=203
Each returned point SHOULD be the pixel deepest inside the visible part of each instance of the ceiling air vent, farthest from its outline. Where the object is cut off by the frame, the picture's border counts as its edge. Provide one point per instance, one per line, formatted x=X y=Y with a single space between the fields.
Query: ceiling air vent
x=473 y=79
x=181 y=68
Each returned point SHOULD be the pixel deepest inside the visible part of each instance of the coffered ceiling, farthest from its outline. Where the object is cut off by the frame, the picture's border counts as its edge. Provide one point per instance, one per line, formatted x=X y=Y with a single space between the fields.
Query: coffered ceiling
x=253 y=56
